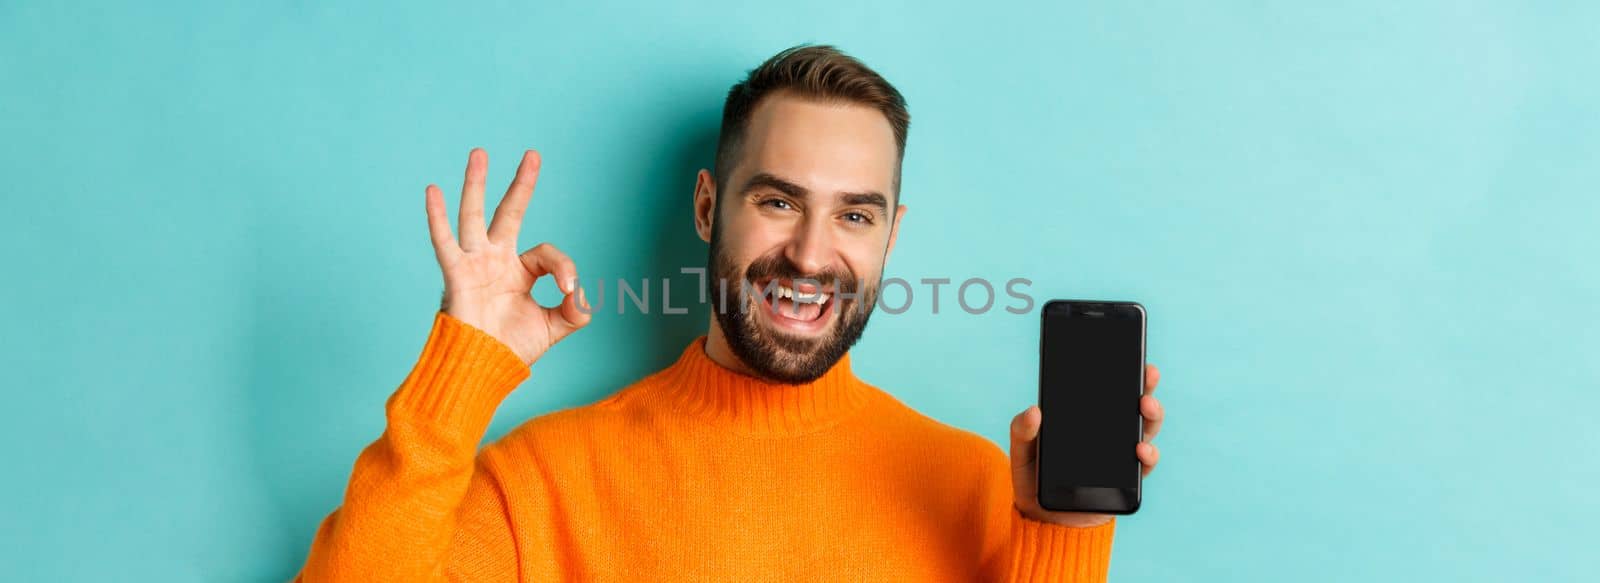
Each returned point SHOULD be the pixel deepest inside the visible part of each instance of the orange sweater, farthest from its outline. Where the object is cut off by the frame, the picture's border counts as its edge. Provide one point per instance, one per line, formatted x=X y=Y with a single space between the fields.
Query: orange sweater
x=692 y=473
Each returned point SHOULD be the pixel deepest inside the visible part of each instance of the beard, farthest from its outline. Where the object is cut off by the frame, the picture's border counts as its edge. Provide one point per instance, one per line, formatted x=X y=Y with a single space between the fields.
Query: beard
x=776 y=355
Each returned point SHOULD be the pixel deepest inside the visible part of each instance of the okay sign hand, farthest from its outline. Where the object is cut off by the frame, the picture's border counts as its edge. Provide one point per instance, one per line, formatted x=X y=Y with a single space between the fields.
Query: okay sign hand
x=487 y=284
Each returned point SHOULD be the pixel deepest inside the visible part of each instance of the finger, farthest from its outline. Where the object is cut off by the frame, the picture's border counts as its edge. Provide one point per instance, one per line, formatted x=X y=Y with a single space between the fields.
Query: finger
x=573 y=313
x=1024 y=429
x=1153 y=414
x=472 y=233
x=1149 y=455
x=508 y=215
x=544 y=258
x=1151 y=378
x=444 y=243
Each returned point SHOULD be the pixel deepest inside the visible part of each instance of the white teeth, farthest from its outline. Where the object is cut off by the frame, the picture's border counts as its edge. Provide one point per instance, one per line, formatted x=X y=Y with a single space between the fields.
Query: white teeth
x=789 y=293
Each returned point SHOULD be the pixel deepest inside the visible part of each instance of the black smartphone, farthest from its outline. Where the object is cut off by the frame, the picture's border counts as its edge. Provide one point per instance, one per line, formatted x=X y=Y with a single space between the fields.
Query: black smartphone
x=1091 y=376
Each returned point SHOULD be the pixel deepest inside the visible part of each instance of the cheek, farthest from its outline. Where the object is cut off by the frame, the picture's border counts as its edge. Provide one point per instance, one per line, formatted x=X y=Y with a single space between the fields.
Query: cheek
x=866 y=265
x=749 y=238
x=737 y=252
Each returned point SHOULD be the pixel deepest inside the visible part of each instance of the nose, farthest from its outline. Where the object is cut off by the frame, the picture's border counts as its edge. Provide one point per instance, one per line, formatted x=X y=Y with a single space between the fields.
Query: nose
x=811 y=249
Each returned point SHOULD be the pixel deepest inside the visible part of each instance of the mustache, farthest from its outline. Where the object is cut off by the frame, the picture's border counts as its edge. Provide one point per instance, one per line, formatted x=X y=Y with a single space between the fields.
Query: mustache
x=777 y=266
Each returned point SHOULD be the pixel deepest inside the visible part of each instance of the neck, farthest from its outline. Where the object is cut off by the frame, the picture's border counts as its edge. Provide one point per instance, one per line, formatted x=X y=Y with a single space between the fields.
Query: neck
x=700 y=385
x=718 y=351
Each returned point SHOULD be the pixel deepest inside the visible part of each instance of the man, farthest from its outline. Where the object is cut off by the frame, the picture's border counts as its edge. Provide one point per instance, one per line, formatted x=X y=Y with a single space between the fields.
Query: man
x=758 y=455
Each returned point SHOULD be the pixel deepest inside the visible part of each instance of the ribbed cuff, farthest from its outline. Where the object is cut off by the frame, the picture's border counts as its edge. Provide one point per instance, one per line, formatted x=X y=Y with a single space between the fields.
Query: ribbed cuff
x=461 y=377
x=1052 y=552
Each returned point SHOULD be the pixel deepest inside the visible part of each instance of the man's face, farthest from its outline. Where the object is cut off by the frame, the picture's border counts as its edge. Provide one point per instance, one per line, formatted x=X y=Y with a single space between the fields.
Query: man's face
x=810 y=198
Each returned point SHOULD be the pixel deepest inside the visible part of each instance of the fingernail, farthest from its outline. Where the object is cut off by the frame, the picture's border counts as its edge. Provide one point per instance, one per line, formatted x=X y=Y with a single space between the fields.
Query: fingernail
x=583 y=300
x=566 y=284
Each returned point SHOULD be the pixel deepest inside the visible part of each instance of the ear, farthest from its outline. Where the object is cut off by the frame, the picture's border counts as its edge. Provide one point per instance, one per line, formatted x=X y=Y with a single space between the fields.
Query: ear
x=894 y=231
x=705 y=204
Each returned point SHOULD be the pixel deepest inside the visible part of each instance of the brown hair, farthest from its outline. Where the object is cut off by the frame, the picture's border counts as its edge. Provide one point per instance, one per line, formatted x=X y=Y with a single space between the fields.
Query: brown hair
x=819 y=72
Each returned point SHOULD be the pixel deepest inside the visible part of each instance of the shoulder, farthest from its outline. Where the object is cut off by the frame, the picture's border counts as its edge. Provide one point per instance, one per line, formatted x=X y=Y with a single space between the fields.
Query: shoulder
x=572 y=432
x=948 y=441
x=977 y=470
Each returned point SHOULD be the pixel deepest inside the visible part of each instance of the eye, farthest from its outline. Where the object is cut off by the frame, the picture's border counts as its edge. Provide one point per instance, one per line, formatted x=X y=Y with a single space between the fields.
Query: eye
x=777 y=203
x=858 y=217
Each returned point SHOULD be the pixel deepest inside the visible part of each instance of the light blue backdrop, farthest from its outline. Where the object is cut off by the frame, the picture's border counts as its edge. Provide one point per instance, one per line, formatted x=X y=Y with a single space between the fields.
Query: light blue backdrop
x=1365 y=236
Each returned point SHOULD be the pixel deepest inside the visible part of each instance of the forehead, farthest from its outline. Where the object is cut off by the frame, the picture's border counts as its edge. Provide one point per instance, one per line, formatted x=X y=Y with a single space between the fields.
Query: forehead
x=825 y=146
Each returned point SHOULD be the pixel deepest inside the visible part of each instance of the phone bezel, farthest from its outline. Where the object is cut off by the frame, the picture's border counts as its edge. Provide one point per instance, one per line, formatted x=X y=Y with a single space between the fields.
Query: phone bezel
x=1102 y=500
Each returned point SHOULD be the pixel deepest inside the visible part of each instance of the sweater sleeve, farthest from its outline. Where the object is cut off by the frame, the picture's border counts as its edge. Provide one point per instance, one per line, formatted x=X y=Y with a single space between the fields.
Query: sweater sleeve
x=418 y=507
x=1021 y=549
x=1042 y=551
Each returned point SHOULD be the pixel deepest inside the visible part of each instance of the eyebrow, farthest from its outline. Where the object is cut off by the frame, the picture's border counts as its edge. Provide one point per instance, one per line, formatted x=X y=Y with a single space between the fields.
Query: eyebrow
x=765 y=179
x=873 y=199
x=770 y=181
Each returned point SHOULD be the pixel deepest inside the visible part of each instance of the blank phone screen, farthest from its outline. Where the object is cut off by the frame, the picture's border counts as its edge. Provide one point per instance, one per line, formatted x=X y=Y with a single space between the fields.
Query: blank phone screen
x=1090 y=375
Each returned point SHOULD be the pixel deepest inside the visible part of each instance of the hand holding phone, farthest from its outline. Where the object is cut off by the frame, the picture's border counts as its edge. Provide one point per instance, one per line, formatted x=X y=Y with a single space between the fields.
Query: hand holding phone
x=1082 y=453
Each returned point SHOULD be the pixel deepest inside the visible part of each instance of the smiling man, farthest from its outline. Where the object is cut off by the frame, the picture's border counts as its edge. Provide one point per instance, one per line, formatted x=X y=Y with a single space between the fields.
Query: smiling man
x=758 y=454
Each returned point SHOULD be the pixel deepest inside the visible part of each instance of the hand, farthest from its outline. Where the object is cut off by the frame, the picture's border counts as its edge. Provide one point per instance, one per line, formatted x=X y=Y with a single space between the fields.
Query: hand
x=487 y=284
x=1024 y=452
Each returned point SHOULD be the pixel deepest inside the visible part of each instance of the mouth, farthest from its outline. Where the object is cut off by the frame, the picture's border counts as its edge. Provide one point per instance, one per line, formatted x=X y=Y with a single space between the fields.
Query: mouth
x=803 y=309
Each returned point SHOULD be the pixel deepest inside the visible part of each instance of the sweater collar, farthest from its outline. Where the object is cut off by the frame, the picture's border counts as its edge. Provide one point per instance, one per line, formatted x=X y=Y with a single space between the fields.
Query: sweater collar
x=697 y=386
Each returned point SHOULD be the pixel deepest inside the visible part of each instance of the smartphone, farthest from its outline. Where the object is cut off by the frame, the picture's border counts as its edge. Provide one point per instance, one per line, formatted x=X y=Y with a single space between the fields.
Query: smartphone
x=1091 y=376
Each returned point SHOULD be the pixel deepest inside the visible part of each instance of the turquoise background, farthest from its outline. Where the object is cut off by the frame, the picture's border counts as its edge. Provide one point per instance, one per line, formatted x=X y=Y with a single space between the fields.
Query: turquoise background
x=1364 y=234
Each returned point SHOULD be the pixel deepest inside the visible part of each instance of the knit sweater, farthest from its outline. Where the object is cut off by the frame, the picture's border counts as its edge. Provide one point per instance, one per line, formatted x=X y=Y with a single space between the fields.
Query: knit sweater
x=693 y=473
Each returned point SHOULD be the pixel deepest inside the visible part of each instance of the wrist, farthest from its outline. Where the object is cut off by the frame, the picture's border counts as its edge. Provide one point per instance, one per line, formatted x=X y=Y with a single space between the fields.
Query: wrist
x=474 y=321
x=1072 y=519
x=458 y=381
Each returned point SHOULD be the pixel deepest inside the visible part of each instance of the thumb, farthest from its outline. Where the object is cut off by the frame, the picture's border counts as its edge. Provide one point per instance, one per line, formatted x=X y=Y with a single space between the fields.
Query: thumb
x=573 y=313
x=1024 y=431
